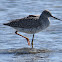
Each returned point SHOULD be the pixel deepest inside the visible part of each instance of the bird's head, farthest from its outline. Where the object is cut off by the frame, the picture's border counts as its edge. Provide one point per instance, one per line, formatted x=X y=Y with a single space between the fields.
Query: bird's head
x=47 y=13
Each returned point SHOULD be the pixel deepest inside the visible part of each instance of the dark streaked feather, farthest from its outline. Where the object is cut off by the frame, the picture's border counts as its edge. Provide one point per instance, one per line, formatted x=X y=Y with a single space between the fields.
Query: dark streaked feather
x=30 y=21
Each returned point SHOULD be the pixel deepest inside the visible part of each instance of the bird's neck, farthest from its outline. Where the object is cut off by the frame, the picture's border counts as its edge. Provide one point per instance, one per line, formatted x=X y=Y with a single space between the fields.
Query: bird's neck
x=44 y=21
x=42 y=17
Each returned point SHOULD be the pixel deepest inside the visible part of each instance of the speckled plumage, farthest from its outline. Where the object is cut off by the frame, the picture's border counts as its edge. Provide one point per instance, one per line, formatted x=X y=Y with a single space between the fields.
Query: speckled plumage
x=27 y=22
x=30 y=24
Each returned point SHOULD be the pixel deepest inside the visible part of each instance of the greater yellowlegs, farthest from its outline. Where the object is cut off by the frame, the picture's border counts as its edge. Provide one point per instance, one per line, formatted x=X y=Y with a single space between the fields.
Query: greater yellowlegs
x=31 y=24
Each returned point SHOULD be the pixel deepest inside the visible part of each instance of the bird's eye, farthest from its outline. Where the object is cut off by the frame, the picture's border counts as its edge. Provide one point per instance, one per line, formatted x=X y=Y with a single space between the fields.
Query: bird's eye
x=47 y=12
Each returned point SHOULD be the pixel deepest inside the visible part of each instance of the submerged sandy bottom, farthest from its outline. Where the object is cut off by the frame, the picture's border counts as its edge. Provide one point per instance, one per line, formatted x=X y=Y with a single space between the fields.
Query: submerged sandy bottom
x=23 y=51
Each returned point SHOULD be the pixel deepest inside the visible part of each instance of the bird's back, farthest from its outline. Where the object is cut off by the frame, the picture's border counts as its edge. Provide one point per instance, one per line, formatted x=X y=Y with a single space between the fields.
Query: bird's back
x=30 y=21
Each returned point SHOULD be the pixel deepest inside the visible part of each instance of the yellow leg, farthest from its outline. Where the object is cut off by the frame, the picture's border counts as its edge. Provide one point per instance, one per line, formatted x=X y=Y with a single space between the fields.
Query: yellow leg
x=32 y=41
x=24 y=37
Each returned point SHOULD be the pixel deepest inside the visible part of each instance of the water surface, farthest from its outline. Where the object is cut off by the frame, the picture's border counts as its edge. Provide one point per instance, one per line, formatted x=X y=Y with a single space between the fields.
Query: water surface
x=50 y=39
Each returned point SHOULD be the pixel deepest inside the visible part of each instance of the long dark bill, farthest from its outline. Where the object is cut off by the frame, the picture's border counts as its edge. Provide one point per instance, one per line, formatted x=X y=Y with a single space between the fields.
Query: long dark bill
x=56 y=18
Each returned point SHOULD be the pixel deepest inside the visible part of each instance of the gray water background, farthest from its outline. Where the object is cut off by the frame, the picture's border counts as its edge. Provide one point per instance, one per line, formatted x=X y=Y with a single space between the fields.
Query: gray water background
x=50 y=39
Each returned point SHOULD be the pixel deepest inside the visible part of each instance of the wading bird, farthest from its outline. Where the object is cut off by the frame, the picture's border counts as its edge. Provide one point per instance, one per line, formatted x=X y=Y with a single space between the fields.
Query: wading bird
x=31 y=24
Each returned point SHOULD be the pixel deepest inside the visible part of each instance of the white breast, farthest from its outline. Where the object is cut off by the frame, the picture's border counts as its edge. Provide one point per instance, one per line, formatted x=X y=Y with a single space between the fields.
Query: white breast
x=29 y=31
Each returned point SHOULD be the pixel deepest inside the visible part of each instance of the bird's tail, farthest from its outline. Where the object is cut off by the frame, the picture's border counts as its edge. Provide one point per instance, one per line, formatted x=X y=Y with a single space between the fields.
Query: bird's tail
x=6 y=24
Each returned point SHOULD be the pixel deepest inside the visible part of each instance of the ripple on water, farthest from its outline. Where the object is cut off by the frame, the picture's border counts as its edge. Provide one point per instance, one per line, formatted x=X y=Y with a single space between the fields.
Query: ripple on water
x=50 y=39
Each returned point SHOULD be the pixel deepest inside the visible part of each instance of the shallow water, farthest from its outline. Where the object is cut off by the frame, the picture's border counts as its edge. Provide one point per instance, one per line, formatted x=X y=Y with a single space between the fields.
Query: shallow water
x=50 y=39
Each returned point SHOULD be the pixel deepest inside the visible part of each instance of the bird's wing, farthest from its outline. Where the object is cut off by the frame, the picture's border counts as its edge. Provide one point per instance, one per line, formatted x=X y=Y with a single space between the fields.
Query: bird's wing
x=30 y=21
